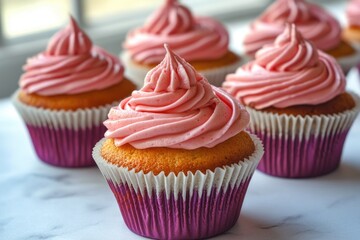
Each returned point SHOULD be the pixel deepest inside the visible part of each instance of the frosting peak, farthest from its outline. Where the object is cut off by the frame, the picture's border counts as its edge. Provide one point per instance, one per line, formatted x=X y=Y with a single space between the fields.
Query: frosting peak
x=171 y=18
x=290 y=52
x=69 y=41
x=312 y=21
x=70 y=65
x=171 y=74
x=173 y=81
x=176 y=108
x=194 y=38
x=289 y=72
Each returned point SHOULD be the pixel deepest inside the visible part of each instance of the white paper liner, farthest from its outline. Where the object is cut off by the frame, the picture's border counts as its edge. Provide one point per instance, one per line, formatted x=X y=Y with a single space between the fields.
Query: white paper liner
x=246 y=58
x=349 y=62
x=138 y=73
x=133 y=71
x=217 y=76
x=224 y=177
x=78 y=119
x=303 y=127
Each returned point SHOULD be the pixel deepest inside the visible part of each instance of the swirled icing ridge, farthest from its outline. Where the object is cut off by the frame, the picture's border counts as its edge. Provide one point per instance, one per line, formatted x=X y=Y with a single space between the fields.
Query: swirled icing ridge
x=313 y=22
x=291 y=53
x=193 y=38
x=290 y=72
x=176 y=108
x=70 y=65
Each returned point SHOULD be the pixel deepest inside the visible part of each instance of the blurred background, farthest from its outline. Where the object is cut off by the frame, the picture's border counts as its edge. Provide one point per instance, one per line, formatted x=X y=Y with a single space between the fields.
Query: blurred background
x=27 y=25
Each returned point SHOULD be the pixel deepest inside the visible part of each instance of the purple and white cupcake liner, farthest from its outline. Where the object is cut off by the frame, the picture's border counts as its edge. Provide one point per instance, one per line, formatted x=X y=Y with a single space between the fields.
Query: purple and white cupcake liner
x=215 y=76
x=301 y=147
x=64 y=138
x=186 y=206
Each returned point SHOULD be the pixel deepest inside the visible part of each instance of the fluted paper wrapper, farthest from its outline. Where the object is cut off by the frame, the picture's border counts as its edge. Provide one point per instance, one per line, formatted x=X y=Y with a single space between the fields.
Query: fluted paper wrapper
x=64 y=138
x=183 y=206
x=215 y=76
x=355 y=44
x=349 y=62
x=301 y=147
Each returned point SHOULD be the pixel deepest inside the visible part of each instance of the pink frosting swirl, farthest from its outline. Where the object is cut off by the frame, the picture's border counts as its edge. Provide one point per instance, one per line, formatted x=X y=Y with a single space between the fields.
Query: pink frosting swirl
x=353 y=13
x=193 y=38
x=312 y=21
x=70 y=65
x=290 y=72
x=176 y=108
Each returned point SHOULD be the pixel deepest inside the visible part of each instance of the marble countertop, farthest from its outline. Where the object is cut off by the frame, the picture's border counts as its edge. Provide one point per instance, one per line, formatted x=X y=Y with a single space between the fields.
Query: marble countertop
x=38 y=201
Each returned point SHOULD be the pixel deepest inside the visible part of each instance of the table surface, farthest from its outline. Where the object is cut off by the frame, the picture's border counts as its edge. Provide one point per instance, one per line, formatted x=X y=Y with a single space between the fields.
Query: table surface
x=38 y=201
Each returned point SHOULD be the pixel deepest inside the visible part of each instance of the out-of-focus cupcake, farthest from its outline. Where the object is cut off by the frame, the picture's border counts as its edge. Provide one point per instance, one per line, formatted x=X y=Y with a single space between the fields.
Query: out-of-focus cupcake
x=296 y=98
x=65 y=95
x=176 y=156
x=352 y=31
x=314 y=23
x=202 y=41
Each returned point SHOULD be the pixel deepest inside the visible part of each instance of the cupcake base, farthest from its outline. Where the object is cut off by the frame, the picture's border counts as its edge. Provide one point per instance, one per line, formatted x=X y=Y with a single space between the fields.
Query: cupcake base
x=64 y=138
x=301 y=158
x=302 y=146
x=193 y=217
x=183 y=206
x=65 y=147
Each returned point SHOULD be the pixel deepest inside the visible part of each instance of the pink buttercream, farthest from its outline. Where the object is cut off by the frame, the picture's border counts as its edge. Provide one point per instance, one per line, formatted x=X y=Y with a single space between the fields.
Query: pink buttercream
x=312 y=21
x=290 y=72
x=70 y=65
x=176 y=108
x=353 y=13
x=193 y=38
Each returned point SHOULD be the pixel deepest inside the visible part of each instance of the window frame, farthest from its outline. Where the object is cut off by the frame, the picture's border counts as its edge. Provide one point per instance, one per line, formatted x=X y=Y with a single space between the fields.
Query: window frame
x=77 y=9
x=226 y=10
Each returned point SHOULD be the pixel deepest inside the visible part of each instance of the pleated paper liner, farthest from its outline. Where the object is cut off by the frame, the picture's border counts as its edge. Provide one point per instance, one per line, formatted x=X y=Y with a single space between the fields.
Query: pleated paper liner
x=186 y=206
x=355 y=44
x=215 y=76
x=349 y=62
x=302 y=147
x=64 y=138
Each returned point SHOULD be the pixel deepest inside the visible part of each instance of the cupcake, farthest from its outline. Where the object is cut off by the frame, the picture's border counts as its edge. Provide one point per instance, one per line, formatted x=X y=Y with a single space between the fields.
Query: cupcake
x=352 y=31
x=65 y=95
x=312 y=21
x=296 y=98
x=176 y=155
x=202 y=41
